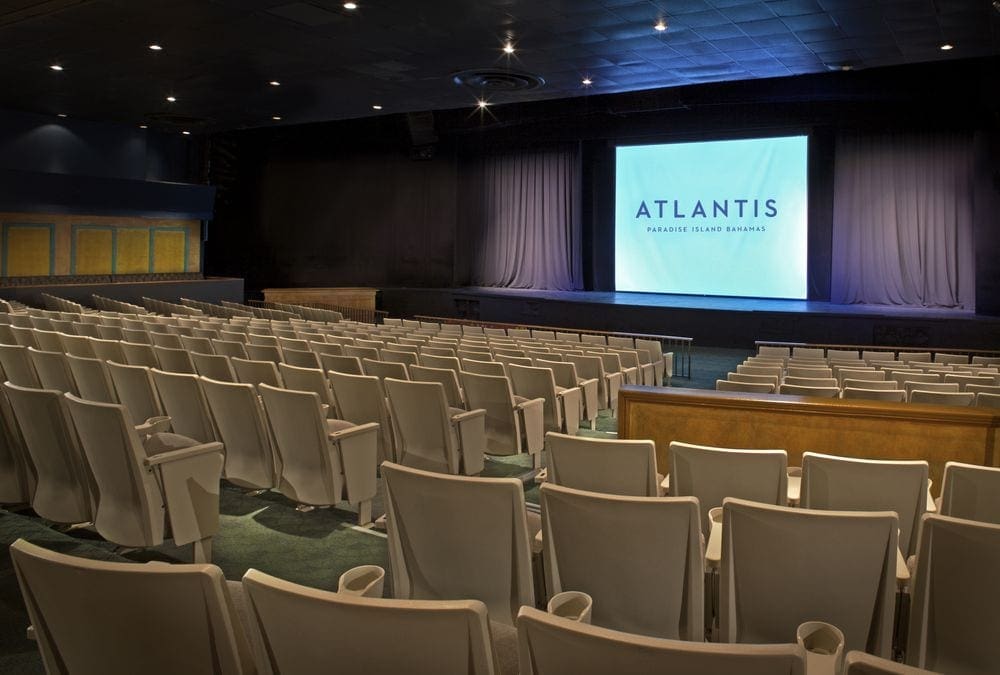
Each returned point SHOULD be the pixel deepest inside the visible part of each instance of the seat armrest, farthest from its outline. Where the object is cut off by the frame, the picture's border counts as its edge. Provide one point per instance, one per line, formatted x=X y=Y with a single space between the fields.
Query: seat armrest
x=184 y=453
x=533 y=423
x=154 y=425
x=531 y=403
x=367 y=427
x=471 y=414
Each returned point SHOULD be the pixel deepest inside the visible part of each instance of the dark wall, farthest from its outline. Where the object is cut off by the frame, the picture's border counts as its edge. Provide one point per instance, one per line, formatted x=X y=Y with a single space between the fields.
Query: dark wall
x=345 y=203
x=47 y=144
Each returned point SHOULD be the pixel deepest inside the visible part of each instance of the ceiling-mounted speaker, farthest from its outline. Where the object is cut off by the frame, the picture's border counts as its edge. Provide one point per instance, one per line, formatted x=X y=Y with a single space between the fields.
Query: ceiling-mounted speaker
x=422 y=137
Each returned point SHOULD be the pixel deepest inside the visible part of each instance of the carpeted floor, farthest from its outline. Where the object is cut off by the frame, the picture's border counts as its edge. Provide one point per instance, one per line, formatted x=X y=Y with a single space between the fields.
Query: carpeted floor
x=266 y=532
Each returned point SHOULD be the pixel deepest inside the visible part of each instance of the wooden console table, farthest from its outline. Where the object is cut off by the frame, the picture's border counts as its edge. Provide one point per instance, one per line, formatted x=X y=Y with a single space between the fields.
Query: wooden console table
x=356 y=298
x=848 y=427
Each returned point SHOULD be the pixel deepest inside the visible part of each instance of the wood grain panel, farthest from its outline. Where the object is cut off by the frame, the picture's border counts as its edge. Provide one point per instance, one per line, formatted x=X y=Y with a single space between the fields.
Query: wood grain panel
x=797 y=424
x=358 y=298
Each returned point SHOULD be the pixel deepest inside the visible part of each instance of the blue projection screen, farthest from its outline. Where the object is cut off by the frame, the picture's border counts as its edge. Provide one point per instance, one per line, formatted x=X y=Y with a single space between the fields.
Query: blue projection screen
x=715 y=218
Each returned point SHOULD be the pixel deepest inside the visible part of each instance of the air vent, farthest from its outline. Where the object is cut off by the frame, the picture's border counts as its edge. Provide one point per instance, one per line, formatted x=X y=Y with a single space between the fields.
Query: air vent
x=493 y=80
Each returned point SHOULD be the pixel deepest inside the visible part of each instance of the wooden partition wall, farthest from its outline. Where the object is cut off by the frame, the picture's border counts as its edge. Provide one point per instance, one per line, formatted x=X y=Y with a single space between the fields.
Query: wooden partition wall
x=848 y=427
x=357 y=298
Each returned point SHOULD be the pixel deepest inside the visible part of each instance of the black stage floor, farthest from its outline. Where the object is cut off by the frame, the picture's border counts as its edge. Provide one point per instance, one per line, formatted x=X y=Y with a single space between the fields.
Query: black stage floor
x=711 y=321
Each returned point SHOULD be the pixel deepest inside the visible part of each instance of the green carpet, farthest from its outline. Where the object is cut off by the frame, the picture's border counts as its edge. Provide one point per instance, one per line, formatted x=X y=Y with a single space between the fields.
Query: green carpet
x=266 y=532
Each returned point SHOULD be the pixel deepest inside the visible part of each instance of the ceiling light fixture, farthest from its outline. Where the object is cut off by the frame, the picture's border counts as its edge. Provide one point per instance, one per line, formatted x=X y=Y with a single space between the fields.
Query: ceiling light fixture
x=376 y=106
x=508 y=47
x=947 y=47
x=276 y=118
x=155 y=47
x=587 y=81
x=56 y=67
x=847 y=67
x=274 y=83
x=143 y=126
x=186 y=133
x=660 y=25
x=61 y=115
x=171 y=99
x=350 y=5
x=482 y=103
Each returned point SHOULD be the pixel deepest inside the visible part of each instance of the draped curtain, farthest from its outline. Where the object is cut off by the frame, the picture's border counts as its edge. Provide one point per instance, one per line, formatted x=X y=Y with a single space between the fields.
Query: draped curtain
x=523 y=219
x=902 y=220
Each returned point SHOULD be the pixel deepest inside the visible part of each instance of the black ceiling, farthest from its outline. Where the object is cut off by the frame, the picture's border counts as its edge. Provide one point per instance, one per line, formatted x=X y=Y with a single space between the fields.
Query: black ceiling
x=219 y=55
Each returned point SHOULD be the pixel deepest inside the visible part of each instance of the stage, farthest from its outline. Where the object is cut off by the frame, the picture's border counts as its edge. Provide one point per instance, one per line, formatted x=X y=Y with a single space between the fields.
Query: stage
x=711 y=321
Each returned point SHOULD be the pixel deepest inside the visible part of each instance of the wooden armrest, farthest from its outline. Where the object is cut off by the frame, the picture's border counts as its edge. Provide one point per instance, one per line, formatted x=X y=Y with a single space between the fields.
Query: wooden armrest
x=184 y=453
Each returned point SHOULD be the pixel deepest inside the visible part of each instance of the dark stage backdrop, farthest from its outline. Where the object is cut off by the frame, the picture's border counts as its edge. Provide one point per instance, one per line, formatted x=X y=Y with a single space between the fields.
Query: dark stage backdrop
x=359 y=203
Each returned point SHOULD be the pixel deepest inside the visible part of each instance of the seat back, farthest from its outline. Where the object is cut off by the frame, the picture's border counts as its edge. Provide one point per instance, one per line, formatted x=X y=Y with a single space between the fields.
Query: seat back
x=847 y=484
x=92 y=379
x=384 y=369
x=64 y=491
x=425 y=438
x=897 y=395
x=243 y=429
x=53 y=370
x=17 y=366
x=458 y=537
x=782 y=567
x=552 y=645
x=532 y=382
x=960 y=399
x=138 y=354
x=955 y=591
x=361 y=399
x=310 y=472
x=970 y=491
x=95 y=617
x=214 y=366
x=136 y=391
x=612 y=466
x=446 y=377
x=492 y=393
x=78 y=345
x=253 y=372
x=197 y=345
x=307 y=379
x=230 y=348
x=302 y=627
x=484 y=367
x=342 y=364
x=650 y=581
x=130 y=509
x=711 y=474
x=183 y=399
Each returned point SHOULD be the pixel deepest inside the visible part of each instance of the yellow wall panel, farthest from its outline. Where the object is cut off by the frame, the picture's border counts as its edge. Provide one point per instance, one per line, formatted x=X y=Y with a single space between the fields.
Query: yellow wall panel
x=28 y=251
x=132 y=251
x=169 y=250
x=93 y=250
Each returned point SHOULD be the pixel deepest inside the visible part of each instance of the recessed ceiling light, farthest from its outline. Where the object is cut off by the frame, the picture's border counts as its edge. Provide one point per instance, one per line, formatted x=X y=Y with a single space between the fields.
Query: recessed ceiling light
x=156 y=48
x=660 y=25
x=587 y=81
x=946 y=47
x=143 y=126
x=508 y=48
x=171 y=99
x=376 y=106
x=276 y=118
x=847 y=67
x=61 y=115
x=56 y=67
x=350 y=5
x=186 y=133
x=274 y=83
x=482 y=103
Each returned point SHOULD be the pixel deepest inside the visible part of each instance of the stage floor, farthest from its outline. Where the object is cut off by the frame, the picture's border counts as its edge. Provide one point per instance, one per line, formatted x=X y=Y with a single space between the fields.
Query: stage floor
x=727 y=304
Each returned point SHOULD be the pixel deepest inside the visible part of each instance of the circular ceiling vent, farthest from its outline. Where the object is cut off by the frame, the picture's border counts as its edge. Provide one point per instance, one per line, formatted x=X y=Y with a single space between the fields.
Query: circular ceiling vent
x=173 y=120
x=494 y=80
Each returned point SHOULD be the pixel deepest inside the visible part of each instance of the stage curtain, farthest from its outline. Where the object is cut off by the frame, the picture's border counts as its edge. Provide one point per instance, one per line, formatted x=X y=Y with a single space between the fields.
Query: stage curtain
x=902 y=220
x=522 y=218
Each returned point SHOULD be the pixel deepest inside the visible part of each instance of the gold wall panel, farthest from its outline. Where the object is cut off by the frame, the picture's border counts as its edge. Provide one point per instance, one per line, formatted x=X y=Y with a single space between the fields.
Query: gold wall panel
x=797 y=424
x=132 y=250
x=169 y=250
x=28 y=250
x=93 y=250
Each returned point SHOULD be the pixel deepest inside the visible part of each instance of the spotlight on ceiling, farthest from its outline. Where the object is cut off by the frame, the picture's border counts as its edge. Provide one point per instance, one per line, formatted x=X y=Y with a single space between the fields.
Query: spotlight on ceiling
x=171 y=99
x=56 y=67
x=350 y=5
x=376 y=106
x=186 y=133
x=274 y=83
x=276 y=118
x=156 y=48
x=61 y=115
x=482 y=103
x=947 y=47
x=508 y=48
x=143 y=126
x=587 y=82
x=660 y=25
